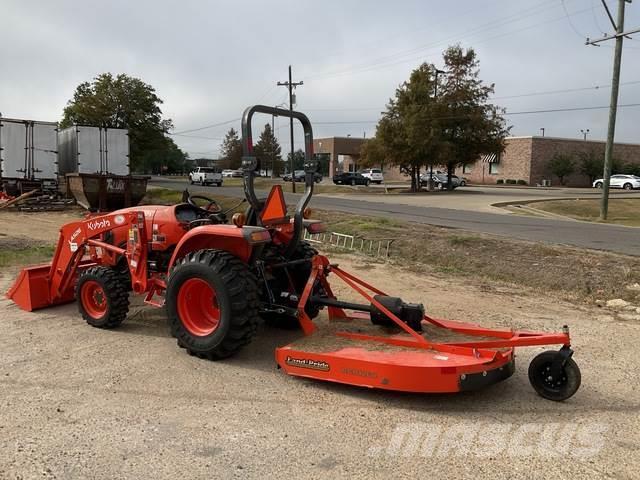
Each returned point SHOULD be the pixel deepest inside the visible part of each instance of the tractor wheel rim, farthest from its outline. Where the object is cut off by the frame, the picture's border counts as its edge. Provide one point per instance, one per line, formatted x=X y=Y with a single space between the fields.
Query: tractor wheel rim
x=93 y=299
x=198 y=307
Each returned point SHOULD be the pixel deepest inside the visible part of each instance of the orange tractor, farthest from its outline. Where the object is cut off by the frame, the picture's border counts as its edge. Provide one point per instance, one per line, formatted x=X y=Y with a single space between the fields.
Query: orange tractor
x=218 y=278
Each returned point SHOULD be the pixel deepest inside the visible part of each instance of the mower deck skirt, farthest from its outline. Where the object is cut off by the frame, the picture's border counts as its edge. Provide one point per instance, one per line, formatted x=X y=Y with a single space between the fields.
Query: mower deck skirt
x=390 y=367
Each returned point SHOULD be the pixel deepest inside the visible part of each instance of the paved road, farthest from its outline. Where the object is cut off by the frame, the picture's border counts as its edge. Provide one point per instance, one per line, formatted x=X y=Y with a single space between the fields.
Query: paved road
x=613 y=238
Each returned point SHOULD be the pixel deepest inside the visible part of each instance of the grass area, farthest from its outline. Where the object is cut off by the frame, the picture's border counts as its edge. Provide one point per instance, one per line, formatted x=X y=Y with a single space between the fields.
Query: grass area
x=21 y=255
x=623 y=211
x=572 y=274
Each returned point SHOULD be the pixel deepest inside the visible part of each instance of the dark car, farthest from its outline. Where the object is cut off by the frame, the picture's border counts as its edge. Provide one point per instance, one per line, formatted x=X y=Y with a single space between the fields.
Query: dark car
x=351 y=178
x=299 y=175
x=440 y=181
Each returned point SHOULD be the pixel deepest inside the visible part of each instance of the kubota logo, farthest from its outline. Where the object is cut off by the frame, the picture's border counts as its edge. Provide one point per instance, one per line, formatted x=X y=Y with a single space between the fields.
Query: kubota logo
x=96 y=224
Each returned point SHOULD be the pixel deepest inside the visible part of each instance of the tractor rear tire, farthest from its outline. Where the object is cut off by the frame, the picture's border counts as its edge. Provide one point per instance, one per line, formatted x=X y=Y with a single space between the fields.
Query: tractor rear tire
x=212 y=304
x=103 y=297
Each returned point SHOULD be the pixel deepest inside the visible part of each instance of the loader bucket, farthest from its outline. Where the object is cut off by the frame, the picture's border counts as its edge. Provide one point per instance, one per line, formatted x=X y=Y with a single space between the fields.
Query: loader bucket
x=31 y=289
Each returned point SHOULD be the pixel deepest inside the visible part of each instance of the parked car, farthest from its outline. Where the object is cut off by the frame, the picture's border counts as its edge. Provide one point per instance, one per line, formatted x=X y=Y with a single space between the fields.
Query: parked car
x=351 y=178
x=299 y=176
x=440 y=180
x=628 y=182
x=236 y=173
x=206 y=176
x=373 y=174
x=227 y=172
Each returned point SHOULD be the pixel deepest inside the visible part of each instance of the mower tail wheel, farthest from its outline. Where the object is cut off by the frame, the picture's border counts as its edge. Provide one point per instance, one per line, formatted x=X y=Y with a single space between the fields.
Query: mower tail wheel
x=103 y=297
x=212 y=304
x=556 y=384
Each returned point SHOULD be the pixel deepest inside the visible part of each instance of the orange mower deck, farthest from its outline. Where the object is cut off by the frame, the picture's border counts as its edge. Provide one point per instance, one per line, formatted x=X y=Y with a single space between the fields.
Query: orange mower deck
x=447 y=356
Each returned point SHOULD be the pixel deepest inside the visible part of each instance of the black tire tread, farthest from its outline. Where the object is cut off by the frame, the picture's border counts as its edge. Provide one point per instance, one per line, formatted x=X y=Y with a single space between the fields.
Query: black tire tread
x=243 y=296
x=116 y=290
x=571 y=369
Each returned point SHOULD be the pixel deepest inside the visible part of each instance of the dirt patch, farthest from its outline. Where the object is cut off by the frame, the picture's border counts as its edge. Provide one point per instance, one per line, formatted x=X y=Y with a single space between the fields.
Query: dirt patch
x=81 y=402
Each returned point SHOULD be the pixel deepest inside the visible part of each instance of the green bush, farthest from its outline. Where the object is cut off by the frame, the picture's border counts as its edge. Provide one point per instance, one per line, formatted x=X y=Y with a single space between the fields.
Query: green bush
x=510 y=181
x=500 y=181
x=522 y=182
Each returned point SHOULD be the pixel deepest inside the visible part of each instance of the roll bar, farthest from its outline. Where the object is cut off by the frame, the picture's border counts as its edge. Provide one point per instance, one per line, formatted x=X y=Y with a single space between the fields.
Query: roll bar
x=250 y=163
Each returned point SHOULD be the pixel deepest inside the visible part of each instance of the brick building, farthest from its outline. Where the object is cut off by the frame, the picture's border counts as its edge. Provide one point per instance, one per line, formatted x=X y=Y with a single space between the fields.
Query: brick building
x=527 y=158
x=344 y=153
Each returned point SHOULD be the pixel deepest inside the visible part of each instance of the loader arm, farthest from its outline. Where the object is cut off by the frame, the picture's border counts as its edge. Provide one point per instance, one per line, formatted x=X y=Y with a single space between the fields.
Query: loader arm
x=52 y=284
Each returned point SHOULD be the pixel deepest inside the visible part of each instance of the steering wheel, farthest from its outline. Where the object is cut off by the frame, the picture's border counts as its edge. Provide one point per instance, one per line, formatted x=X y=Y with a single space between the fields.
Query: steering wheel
x=211 y=207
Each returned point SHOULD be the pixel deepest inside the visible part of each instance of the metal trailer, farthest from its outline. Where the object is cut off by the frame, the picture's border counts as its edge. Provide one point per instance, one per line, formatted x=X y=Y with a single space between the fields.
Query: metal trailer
x=100 y=150
x=28 y=155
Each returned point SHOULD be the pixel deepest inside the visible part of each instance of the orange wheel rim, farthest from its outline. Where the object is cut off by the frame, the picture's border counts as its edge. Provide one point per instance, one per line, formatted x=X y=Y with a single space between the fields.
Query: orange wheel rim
x=93 y=299
x=198 y=307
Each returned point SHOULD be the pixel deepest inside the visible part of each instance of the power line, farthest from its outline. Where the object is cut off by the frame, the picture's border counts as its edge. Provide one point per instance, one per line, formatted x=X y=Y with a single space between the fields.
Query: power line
x=505 y=97
x=526 y=112
x=573 y=27
x=194 y=136
x=491 y=24
x=220 y=124
x=391 y=60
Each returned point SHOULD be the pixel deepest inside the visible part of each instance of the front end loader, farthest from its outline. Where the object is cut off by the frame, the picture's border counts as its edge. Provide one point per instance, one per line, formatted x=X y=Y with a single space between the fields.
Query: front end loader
x=218 y=278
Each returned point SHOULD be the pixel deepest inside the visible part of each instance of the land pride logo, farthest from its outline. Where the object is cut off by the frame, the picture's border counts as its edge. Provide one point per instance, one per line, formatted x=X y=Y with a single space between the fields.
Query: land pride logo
x=307 y=363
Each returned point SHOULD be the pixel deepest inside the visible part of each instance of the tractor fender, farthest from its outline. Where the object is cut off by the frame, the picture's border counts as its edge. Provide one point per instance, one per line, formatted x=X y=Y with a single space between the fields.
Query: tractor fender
x=238 y=241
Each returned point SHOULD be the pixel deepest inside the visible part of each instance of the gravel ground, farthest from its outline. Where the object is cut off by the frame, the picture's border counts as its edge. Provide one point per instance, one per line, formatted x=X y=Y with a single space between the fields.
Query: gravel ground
x=78 y=402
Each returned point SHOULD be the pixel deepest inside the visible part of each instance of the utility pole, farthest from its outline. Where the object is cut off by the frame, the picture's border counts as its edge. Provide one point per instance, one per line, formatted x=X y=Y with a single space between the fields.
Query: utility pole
x=613 y=106
x=435 y=95
x=273 y=154
x=291 y=85
x=542 y=130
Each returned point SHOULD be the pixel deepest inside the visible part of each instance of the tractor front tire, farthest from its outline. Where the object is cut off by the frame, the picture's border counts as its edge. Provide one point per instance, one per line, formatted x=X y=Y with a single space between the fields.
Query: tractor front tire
x=103 y=297
x=212 y=304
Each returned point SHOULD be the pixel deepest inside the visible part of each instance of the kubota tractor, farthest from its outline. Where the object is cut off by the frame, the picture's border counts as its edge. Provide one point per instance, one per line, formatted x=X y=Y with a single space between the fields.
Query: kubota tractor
x=219 y=278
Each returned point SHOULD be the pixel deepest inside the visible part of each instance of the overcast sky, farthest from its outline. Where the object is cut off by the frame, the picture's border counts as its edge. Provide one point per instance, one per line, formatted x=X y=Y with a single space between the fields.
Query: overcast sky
x=208 y=60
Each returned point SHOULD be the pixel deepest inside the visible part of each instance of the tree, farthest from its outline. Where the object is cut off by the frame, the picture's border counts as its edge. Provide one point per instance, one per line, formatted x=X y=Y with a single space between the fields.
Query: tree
x=407 y=134
x=591 y=164
x=455 y=127
x=269 y=152
x=231 y=150
x=372 y=153
x=470 y=125
x=127 y=102
x=298 y=160
x=562 y=165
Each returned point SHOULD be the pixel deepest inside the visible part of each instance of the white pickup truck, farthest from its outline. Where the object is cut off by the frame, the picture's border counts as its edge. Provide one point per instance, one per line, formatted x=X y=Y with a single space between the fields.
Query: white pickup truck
x=206 y=176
